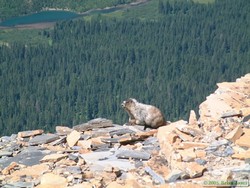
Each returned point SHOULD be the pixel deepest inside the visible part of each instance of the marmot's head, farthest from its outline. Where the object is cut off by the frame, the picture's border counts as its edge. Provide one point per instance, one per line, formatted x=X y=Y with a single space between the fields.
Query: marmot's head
x=128 y=104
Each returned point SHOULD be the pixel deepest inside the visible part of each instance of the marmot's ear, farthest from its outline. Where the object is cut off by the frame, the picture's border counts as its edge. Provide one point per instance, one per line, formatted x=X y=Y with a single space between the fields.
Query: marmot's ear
x=130 y=100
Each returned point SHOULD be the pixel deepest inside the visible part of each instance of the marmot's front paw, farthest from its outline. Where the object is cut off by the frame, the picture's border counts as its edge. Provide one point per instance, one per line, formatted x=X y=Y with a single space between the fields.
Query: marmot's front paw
x=132 y=122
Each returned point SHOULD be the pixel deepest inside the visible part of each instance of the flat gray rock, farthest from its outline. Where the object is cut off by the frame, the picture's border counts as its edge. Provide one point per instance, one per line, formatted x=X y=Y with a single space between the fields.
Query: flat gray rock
x=121 y=164
x=216 y=144
x=5 y=153
x=225 y=152
x=103 y=131
x=98 y=161
x=126 y=154
x=13 y=147
x=174 y=175
x=59 y=141
x=30 y=156
x=246 y=118
x=20 y=185
x=200 y=161
x=247 y=160
x=151 y=149
x=73 y=157
x=110 y=140
x=244 y=168
x=5 y=139
x=94 y=124
x=121 y=131
x=151 y=141
x=8 y=138
x=74 y=169
x=156 y=177
x=43 y=139
x=102 y=147
x=95 y=156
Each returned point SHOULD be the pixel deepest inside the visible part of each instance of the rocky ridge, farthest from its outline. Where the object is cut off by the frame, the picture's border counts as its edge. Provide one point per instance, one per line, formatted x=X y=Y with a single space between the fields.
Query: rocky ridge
x=98 y=153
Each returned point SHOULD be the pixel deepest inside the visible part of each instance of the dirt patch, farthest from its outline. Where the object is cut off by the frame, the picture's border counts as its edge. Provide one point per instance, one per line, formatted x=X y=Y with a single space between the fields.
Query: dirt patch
x=42 y=25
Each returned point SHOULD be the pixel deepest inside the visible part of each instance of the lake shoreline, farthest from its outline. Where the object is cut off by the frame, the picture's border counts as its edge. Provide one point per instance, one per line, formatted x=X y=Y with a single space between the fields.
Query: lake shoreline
x=44 y=25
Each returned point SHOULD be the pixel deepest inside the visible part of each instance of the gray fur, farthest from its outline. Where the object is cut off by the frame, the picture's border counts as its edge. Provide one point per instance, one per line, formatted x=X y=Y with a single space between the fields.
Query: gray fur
x=143 y=114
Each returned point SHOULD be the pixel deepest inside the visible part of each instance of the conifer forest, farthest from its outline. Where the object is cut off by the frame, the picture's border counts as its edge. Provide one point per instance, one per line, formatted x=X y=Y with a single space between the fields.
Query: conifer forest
x=89 y=66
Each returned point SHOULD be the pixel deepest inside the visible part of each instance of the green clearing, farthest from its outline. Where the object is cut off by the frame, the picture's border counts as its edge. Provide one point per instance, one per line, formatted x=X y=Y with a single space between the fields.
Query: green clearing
x=24 y=36
x=148 y=11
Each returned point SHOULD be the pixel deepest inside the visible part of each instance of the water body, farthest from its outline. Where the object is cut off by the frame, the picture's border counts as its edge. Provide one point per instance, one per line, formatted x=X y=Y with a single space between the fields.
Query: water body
x=44 y=16
x=58 y=15
x=52 y=16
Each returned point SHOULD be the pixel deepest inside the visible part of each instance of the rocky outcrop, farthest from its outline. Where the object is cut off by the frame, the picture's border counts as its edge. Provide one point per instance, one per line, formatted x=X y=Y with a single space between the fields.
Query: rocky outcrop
x=231 y=100
x=102 y=154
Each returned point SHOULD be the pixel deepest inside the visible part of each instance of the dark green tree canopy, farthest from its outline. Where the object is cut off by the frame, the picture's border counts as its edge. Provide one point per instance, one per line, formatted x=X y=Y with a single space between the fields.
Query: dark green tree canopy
x=92 y=66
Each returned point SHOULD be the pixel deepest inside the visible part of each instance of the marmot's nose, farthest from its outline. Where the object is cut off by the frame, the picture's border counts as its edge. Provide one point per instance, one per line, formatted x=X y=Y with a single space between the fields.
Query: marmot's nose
x=123 y=104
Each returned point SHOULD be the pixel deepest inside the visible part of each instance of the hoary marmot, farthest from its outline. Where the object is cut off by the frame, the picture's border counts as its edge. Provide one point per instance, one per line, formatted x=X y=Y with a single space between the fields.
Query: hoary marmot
x=143 y=114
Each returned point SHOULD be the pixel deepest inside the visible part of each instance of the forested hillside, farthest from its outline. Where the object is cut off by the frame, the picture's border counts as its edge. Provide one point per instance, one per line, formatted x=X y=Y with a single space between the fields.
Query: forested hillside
x=92 y=66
